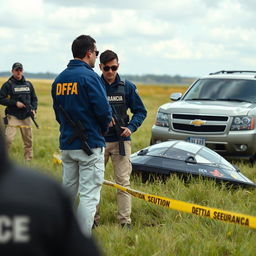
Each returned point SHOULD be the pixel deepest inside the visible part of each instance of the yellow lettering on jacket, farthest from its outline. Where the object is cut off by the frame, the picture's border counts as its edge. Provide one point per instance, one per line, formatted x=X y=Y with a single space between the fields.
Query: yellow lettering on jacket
x=74 y=89
x=58 y=89
x=66 y=88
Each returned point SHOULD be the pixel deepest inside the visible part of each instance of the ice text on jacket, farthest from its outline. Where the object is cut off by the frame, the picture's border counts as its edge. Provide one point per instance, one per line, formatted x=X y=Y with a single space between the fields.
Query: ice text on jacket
x=14 y=229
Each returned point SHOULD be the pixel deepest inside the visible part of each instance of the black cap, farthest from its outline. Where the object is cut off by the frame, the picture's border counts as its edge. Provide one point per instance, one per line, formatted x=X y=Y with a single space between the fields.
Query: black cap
x=17 y=65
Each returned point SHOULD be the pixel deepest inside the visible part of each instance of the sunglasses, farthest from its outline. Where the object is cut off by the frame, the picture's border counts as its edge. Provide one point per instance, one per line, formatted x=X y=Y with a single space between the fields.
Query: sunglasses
x=107 y=68
x=97 y=53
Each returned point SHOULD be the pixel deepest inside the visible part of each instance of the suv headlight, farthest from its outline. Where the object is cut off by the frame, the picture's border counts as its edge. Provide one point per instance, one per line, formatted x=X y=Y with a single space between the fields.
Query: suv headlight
x=162 y=119
x=241 y=123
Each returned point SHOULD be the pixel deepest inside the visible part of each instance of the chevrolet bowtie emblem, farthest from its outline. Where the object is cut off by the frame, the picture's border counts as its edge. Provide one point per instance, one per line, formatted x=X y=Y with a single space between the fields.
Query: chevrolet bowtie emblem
x=198 y=122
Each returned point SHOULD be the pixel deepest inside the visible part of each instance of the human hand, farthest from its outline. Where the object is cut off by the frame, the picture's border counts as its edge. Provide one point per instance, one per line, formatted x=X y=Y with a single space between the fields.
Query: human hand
x=126 y=133
x=33 y=112
x=20 y=104
x=112 y=122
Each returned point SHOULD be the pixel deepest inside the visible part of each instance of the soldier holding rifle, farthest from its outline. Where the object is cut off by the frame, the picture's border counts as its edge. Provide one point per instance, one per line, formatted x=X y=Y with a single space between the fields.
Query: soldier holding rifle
x=19 y=96
x=83 y=112
x=122 y=95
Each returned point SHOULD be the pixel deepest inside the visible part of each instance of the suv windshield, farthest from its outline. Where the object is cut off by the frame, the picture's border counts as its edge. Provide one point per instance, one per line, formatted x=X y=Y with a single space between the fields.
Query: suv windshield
x=223 y=89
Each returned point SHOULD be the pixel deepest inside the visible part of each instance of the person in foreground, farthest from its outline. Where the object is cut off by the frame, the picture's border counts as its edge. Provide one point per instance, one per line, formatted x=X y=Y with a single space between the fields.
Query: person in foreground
x=83 y=112
x=36 y=214
x=19 y=97
x=122 y=95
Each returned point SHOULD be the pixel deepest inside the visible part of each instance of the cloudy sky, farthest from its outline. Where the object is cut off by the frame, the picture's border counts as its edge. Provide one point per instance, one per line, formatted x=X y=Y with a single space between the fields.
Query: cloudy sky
x=185 y=37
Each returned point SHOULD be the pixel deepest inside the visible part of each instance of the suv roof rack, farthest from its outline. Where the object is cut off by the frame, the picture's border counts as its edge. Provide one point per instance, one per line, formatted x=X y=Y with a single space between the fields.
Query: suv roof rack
x=231 y=72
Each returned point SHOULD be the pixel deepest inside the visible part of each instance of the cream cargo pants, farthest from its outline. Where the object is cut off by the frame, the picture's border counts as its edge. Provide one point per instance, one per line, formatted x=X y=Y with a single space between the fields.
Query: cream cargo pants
x=26 y=133
x=122 y=171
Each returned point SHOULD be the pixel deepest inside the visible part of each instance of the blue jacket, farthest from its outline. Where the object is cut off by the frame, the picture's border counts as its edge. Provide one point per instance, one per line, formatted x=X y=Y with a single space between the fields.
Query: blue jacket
x=133 y=102
x=81 y=93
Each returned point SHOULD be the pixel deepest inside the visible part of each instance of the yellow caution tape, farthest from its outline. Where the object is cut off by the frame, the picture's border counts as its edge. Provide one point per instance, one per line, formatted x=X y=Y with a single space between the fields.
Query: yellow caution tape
x=48 y=128
x=19 y=126
x=30 y=126
x=56 y=158
x=202 y=211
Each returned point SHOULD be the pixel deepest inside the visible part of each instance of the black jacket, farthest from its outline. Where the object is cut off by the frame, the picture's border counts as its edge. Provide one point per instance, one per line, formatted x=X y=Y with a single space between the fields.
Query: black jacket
x=132 y=102
x=18 y=90
x=36 y=216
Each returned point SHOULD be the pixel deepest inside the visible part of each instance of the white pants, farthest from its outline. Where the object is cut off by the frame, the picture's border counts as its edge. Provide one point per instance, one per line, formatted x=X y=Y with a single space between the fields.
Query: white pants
x=84 y=174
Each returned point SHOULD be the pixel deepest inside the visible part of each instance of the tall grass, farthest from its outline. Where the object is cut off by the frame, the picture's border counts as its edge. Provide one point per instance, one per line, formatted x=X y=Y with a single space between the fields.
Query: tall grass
x=157 y=231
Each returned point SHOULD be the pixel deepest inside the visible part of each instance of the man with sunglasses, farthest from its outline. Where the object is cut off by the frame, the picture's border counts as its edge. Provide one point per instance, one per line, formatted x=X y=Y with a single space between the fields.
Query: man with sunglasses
x=83 y=112
x=122 y=95
x=19 y=96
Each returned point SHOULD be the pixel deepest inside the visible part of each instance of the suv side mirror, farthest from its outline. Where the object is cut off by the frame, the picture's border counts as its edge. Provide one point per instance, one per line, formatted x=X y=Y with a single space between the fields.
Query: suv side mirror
x=175 y=96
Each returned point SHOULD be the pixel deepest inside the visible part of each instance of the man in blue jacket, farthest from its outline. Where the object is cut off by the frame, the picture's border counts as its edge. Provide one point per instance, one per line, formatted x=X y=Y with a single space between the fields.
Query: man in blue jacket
x=122 y=95
x=83 y=112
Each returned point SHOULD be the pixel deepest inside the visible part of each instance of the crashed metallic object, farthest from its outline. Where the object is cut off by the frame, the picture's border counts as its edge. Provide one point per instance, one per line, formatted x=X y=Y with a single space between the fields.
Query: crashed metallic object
x=185 y=158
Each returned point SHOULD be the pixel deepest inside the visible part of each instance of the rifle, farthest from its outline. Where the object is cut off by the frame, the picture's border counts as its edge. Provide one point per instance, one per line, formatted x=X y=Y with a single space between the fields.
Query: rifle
x=118 y=123
x=78 y=132
x=31 y=114
x=33 y=119
x=29 y=111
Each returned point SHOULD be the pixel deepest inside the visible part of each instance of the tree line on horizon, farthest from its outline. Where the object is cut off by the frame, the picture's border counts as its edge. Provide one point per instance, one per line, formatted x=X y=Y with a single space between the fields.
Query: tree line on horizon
x=143 y=79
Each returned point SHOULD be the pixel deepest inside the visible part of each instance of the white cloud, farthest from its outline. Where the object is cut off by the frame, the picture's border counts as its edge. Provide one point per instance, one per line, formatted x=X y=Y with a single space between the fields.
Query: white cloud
x=17 y=15
x=5 y=33
x=70 y=18
x=185 y=37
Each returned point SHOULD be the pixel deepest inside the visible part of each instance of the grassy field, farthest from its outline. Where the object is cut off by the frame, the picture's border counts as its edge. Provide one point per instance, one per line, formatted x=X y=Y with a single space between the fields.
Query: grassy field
x=157 y=231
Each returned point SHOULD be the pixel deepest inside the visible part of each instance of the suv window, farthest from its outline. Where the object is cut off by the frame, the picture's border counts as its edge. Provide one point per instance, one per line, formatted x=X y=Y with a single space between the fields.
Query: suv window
x=223 y=89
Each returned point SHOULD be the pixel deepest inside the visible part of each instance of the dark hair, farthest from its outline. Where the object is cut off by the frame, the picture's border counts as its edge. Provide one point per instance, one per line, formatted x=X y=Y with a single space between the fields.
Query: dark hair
x=81 y=45
x=107 y=56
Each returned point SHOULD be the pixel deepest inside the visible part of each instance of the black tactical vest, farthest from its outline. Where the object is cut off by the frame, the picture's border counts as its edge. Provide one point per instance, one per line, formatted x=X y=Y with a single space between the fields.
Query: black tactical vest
x=118 y=104
x=21 y=92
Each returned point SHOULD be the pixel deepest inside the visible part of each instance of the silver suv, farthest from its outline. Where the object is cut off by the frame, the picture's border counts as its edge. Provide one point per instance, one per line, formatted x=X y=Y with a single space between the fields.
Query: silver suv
x=217 y=111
